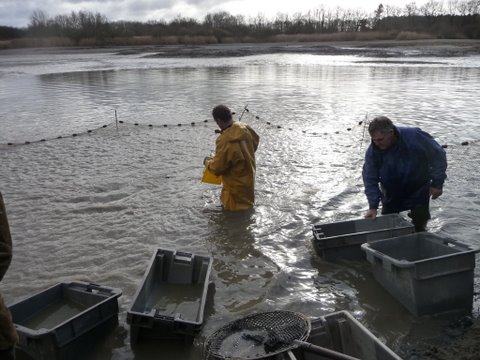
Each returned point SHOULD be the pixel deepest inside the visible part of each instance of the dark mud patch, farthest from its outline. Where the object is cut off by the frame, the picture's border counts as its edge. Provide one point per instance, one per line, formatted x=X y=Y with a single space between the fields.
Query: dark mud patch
x=439 y=338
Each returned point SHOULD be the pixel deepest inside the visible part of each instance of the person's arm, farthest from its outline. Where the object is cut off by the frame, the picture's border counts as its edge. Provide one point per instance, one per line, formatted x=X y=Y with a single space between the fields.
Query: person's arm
x=437 y=160
x=255 y=138
x=220 y=163
x=371 y=183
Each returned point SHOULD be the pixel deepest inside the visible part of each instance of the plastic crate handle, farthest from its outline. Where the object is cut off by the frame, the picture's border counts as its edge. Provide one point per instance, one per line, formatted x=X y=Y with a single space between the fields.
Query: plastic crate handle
x=168 y=321
x=386 y=262
x=318 y=232
x=460 y=245
x=183 y=257
x=92 y=288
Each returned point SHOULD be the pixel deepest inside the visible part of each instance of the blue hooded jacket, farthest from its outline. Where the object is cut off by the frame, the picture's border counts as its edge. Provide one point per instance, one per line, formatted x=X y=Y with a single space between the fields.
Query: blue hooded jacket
x=401 y=176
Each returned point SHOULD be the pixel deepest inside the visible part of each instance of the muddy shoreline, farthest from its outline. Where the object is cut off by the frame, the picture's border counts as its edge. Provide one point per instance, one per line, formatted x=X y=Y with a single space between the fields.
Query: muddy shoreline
x=378 y=48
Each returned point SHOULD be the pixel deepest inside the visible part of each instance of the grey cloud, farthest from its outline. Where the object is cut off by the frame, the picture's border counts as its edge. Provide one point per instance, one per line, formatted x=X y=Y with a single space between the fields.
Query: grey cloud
x=17 y=13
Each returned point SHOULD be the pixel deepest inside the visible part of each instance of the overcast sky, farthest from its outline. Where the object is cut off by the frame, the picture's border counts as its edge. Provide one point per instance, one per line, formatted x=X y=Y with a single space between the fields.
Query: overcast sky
x=17 y=12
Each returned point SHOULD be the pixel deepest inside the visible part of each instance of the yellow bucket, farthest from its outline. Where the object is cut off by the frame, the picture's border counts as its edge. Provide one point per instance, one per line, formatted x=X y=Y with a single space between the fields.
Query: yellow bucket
x=210 y=178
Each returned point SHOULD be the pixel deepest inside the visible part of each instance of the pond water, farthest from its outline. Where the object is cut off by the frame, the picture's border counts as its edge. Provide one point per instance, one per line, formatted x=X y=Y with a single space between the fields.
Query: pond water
x=95 y=206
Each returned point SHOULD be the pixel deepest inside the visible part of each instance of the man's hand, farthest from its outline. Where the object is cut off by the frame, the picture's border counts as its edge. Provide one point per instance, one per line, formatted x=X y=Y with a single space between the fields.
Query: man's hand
x=371 y=213
x=435 y=193
x=206 y=159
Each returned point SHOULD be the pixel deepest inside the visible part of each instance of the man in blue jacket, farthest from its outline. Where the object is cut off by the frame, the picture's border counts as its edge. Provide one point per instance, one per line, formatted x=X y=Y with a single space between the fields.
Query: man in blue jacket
x=403 y=168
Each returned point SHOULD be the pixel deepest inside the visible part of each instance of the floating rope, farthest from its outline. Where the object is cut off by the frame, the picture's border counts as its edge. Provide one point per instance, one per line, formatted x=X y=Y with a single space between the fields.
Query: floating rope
x=270 y=124
x=194 y=123
x=56 y=138
x=117 y=122
x=362 y=122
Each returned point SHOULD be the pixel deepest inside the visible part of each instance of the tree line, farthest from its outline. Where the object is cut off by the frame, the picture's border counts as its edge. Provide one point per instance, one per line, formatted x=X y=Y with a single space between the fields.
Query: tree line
x=454 y=19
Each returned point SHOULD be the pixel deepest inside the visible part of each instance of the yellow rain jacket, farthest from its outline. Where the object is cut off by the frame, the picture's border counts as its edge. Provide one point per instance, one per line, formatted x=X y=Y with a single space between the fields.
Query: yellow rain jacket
x=234 y=161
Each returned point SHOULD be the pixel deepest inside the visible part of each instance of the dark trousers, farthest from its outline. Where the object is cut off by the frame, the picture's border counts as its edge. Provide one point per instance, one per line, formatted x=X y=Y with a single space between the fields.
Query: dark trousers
x=8 y=354
x=419 y=215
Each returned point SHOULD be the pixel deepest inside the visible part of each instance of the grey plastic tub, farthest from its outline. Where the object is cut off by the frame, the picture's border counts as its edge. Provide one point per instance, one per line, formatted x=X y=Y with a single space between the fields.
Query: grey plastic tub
x=65 y=321
x=171 y=298
x=425 y=272
x=341 y=332
x=342 y=239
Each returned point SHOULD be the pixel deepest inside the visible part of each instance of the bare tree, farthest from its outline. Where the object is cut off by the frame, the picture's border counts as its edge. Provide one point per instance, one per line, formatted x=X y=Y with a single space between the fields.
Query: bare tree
x=393 y=11
x=259 y=22
x=473 y=7
x=281 y=23
x=378 y=15
x=361 y=20
x=411 y=9
x=452 y=6
x=38 y=19
x=320 y=16
x=432 y=8
x=463 y=8
x=453 y=19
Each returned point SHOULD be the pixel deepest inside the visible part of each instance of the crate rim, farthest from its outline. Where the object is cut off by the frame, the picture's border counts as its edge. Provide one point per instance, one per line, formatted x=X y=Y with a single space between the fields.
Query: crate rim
x=400 y=216
x=367 y=248
x=407 y=225
x=116 y=293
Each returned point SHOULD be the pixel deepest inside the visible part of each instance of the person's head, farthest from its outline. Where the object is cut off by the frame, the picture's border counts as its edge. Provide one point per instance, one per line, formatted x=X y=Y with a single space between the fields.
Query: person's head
x=382 y=132
x=222 y=116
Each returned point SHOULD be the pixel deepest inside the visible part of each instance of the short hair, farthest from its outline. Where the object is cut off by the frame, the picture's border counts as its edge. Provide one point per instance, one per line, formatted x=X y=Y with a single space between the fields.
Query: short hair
x=381 y=124
x=222 y=112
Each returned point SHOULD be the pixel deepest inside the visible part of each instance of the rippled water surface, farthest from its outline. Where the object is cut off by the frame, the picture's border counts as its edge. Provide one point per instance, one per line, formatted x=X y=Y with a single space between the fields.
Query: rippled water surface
x=95 y=206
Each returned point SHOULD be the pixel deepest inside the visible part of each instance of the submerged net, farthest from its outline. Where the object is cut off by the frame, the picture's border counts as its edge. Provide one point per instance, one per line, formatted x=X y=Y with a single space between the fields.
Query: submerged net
x=258 y=336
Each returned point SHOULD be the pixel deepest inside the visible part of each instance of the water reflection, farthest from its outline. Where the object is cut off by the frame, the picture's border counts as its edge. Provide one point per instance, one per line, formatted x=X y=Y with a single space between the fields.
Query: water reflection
x=241 y=268
x=94 y=207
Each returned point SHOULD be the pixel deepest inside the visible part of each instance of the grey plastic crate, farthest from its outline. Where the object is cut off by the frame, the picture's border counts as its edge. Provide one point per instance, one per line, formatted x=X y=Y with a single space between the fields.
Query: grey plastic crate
x=425 y=272
x=342 y=239
x=64 y=321
x=172 y=296
x=341 y=332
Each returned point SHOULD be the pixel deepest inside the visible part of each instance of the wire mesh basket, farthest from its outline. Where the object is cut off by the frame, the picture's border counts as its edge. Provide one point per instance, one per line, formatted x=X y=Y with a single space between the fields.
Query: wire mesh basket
x=257 y=336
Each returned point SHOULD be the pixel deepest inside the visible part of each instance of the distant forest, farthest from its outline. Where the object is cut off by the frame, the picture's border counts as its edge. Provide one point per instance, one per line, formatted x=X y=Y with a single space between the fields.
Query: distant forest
x=434 y=19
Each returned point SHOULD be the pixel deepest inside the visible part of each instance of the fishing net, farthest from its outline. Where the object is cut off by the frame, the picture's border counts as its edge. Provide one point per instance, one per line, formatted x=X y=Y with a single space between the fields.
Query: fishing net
x=257 y=336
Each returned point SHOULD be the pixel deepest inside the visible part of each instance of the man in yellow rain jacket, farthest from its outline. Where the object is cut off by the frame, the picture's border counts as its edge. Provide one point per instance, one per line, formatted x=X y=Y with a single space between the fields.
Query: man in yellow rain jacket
x=8 y=334
x=234 y=160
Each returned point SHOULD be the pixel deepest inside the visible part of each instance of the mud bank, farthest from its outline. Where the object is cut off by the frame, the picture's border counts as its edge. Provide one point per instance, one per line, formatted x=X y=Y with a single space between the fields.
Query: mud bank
x=384 y=49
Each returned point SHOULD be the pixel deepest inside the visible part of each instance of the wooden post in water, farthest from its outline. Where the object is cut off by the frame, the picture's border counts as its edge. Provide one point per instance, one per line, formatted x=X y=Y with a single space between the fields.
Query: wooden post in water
x=5 y=240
